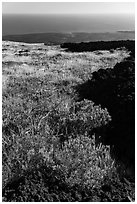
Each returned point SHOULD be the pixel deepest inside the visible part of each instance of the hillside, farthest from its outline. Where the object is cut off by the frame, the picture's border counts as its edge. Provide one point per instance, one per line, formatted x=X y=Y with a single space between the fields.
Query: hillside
x=53 y=129
x=58 y=38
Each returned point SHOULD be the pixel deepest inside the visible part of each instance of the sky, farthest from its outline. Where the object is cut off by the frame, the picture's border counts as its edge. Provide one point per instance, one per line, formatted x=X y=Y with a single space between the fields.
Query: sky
x=68 y=8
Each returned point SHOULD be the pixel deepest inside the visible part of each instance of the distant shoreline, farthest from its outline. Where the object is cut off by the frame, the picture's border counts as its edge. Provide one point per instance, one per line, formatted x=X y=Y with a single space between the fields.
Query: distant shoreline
x=82 y=32
x=59 y=38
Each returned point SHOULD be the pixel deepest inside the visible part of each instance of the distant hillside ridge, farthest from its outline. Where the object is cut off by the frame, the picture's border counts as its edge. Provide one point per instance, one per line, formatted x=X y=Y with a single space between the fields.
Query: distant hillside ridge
x=59 y=38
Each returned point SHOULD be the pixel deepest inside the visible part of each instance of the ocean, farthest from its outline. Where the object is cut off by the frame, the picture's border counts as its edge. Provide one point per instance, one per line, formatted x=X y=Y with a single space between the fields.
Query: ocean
x=24 y=24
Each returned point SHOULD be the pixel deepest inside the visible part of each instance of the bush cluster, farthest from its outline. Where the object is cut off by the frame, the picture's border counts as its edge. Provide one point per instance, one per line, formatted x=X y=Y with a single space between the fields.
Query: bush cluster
x=61 y=140
x=57 y=173
x=78 y=171
x=100 y=45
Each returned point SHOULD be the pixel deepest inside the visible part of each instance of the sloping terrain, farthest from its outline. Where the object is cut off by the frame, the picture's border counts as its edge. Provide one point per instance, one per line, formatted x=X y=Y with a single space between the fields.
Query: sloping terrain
x=49 y=151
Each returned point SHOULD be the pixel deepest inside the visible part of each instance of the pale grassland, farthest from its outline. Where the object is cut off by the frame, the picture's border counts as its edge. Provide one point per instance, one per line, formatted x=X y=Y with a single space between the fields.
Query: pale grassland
x=54 y=61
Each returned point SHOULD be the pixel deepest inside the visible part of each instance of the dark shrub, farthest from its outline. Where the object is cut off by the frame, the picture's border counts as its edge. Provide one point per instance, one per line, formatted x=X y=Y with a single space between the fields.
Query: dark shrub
x=100 y=45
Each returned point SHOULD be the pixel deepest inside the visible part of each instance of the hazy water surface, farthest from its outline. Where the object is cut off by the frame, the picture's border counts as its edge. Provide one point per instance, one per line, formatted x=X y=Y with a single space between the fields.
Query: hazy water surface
x=21 y=24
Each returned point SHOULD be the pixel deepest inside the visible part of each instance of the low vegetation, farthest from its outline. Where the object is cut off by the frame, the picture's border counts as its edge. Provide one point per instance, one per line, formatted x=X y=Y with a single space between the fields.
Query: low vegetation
x=51 y=151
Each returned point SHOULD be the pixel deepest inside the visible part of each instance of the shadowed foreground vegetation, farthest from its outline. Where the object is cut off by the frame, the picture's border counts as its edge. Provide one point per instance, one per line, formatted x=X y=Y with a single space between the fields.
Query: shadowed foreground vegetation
x=54 y=130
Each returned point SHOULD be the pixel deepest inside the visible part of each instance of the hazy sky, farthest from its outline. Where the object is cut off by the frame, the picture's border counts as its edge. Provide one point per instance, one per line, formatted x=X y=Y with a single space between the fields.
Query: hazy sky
x=68 y=8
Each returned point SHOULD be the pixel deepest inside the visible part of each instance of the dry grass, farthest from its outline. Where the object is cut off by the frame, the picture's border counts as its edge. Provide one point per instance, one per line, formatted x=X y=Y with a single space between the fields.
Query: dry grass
x=51 y=60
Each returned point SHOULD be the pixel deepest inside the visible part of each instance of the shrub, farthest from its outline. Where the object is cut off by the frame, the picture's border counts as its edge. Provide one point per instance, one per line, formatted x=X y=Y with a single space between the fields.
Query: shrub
x=81 y=161
x=55 y=173
x=77 y=118
x=64 y=120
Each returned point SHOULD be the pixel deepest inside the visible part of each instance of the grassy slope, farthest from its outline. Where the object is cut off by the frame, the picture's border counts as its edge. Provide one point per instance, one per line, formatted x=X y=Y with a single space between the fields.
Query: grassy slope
x=39 y=102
